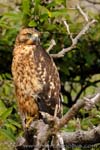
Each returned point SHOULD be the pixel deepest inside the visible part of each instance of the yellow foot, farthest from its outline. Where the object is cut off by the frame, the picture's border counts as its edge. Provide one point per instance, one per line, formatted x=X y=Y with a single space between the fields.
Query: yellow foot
x=28 y=121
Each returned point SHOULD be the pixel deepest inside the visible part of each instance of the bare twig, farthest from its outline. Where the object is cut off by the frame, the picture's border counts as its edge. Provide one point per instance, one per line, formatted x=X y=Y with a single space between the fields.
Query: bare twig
x=82 y=13
x=75 y=40
x=68 y=30
x=52 y=44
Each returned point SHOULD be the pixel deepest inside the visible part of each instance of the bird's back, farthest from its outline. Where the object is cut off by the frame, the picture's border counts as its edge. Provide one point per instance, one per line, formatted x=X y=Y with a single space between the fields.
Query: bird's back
x=49 y=76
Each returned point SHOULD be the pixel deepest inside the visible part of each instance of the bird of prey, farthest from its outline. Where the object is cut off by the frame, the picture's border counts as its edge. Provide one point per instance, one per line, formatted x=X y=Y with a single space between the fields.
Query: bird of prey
x=35 y=76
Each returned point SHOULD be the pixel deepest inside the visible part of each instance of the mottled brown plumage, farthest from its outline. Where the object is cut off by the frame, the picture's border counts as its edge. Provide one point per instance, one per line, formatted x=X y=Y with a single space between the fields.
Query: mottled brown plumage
x=36 y=79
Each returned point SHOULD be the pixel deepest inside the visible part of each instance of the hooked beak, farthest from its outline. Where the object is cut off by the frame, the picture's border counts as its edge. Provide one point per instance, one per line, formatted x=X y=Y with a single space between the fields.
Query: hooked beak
x=33 y=39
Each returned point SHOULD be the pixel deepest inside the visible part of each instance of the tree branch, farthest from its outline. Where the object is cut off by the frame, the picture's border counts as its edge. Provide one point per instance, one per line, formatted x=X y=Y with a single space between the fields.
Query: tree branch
x=90 y=102
x=84 y=87
x=69 y=115
x=79 y=138
x=75 y=40
x=82 y=13
x=82 y=137
x=52 y=44
x=93 y=2
x=75 y=108
x=71 y=139
x=68 y=30
x=40 y=132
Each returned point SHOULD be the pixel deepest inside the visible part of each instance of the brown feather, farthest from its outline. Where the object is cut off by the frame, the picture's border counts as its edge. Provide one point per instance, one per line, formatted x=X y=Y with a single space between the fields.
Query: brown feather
x=36 y=79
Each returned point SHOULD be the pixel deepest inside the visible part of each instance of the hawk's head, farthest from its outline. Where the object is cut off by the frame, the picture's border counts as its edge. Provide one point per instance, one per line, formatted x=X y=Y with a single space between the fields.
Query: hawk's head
x=28 y=36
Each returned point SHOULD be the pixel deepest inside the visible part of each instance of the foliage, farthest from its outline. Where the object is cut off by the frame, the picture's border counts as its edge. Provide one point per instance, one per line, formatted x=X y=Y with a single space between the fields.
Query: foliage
x=10 y=126
x=78 y=69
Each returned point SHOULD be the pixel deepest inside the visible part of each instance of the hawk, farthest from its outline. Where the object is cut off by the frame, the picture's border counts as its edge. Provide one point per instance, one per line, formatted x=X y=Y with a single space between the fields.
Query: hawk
x=35 y=76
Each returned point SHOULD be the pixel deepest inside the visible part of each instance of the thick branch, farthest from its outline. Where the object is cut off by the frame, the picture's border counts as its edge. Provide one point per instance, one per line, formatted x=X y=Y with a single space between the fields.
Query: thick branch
x=70 y=114
x=88 y=103
x=93 y=2
x=40 y=132
x=82 y=137
x=75 y=40
x=71 y=139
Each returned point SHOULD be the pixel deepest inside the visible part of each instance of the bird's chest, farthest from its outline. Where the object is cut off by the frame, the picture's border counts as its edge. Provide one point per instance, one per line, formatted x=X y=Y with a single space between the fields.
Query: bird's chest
x=25 y=75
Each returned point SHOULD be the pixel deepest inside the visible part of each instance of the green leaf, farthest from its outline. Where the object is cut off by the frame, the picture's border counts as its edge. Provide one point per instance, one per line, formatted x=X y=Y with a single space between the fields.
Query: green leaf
x=2 y=105
x=8 y=134
x=8 y=75
x=26 y=6
x=43 y=10
x=12 y=16
x=59 y=1
x=6 y=90
x=2 y=108
x=37 y=3
x=14 y=123
x=10 y=126
x=6 y=113
x=43 y=17
x=89 y=57
x=51 y=27
x=59 y=13
x=32 y=24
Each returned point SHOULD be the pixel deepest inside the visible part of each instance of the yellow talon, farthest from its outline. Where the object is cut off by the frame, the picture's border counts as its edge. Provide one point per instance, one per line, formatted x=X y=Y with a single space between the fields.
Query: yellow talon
x=28 y=121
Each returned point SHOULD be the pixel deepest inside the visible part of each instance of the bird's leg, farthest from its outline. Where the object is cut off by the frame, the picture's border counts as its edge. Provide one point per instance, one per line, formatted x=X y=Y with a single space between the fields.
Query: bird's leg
x=22 y=117
x=28 y=121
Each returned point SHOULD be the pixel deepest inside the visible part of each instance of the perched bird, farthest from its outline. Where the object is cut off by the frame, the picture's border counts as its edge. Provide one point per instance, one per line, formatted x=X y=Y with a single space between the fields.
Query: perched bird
x=35 y=76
